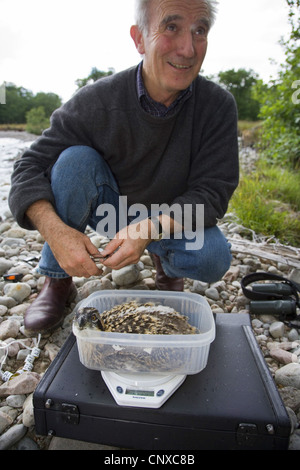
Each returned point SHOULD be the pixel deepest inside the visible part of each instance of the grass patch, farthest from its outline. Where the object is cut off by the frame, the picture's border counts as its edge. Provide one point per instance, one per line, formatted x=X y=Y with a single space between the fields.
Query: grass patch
x=12 y=127
x=268 y=202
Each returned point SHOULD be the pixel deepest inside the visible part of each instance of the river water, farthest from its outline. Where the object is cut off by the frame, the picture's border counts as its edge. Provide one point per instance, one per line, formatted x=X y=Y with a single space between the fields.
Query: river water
x=12 y=146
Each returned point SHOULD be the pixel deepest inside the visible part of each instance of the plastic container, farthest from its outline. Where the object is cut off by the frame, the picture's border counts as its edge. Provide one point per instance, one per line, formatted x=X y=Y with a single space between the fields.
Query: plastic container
x=153 y=354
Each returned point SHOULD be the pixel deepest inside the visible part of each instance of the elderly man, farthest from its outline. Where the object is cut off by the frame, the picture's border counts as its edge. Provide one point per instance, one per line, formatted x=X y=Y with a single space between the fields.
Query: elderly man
x=155 y=134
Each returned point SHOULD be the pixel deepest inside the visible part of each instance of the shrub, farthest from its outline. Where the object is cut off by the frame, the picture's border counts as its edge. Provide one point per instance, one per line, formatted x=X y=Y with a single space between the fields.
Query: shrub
x=36 y=121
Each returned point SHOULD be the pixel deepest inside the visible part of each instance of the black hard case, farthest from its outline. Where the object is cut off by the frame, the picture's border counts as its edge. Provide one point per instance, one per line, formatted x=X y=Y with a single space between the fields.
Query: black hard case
x=233 y=404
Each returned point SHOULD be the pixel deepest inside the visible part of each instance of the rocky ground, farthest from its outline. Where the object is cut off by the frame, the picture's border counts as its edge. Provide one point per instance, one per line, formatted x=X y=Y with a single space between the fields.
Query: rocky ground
x=19 y=253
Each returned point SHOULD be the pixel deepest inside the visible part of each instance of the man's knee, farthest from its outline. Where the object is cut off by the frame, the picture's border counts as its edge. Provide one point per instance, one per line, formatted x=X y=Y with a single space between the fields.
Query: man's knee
x=208 y=264
x=214 y=258
x=75 y=159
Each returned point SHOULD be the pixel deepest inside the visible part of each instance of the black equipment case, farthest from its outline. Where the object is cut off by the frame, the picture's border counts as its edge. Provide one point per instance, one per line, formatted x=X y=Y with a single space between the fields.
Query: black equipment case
x=233 y=404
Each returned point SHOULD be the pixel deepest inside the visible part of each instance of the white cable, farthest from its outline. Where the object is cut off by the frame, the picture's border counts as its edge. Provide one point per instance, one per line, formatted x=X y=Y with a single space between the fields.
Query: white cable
x=29 y=360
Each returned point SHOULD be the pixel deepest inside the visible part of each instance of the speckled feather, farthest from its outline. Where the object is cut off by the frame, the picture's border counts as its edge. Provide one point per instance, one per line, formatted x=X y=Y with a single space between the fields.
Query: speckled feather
x=137 y=318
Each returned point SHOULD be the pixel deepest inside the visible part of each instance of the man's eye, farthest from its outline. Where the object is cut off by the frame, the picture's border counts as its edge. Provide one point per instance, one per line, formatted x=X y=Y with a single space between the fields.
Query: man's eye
x=171 y=27
x=201 y=32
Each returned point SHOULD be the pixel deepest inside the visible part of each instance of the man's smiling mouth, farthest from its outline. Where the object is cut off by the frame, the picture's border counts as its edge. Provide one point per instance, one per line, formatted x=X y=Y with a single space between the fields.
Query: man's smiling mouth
x=179 y=67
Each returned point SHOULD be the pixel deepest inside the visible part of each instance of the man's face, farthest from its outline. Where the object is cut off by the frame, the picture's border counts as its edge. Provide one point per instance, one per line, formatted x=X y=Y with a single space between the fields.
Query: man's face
x=175 y=46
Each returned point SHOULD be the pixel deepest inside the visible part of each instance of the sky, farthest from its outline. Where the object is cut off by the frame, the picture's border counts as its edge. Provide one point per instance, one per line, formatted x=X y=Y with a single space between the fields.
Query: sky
x=47 y=45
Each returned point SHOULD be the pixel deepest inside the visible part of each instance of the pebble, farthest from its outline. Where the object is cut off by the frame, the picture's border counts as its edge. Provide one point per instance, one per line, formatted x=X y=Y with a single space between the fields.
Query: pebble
x=12 y=436
x=5 y=420
x=277 y=329
x=9 y=329
x=16 y=401
x=282 y=356
x=212 y=293
x=28 y=413
x=288 y=376
x=23 y=384
x=126 y=276
x=5 y=265
x=19 y=291
x=27 y=444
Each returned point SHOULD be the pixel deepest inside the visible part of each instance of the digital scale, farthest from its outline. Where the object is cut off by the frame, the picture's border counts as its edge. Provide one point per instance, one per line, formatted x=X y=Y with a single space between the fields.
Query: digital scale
x=141 y=390
x=233 y=404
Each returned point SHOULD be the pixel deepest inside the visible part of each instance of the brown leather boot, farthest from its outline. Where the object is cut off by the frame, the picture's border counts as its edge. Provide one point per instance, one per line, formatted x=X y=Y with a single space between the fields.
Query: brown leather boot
x=162 y=281
x=47 y=312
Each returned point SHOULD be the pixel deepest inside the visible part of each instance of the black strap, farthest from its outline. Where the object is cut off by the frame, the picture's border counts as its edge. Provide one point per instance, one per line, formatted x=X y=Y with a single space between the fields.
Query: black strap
x=254 y=277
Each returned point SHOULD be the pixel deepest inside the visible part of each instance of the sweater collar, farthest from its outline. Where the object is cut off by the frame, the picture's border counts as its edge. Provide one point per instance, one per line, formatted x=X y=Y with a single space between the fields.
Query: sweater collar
x=153 y=107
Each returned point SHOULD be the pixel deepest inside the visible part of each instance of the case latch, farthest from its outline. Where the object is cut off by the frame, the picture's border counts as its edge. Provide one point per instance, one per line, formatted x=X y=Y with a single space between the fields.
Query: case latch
x=247 y=434
x=70 y=413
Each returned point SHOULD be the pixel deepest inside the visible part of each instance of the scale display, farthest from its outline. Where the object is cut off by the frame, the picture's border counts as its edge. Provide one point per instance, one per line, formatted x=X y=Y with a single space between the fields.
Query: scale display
x=144 y=391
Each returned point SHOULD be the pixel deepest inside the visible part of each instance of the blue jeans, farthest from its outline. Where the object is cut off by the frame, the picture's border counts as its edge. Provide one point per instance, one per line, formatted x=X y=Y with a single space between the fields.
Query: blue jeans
x=82 y=181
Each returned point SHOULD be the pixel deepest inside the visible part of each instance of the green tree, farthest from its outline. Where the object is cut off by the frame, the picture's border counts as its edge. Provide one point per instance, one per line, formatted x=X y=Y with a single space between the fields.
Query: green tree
x=240 y=83
x=94 y=75
x=37 y=121
x=280 y=100
x=18 y=102
x=49 y=101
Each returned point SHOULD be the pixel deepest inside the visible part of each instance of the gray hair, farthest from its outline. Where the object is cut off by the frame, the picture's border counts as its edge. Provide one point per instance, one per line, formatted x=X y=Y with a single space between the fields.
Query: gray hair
x=142 y=19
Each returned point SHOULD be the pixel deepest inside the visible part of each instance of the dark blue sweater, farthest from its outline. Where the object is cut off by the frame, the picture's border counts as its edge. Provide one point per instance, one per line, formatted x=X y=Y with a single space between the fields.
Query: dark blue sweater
x=190 y=157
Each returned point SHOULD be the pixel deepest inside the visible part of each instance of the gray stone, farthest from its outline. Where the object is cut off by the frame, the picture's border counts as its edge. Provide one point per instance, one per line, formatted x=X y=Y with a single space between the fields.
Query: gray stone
x=9 y=329
x=13 y=435
x=18 y=291
x=4 y=227
x=90 y=287
x=16 y=401
x=145 y=273
x=291 y=397
x=23 y=384
x=16 y=232
x=295 y=275
x=3 y=310
x=288 y=376
x=7 y=301
x=295 y=441
x=12 y=242
x=5 y=265
x=28 y=413
x=5 y=421
x=199 y=287
x=126 y=276
x=277 y=329
x=212 y=293
x=27 y=444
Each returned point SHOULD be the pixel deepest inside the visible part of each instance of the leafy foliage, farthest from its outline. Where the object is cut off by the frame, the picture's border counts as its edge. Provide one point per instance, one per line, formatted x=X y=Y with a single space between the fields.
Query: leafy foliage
x=36 y=120
x=94 y=75
x=240 y=83
x=19 y=101
x=280 y=100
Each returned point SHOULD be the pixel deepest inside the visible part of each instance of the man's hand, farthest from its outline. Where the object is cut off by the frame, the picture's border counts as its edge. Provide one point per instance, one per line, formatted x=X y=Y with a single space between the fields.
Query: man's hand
x=71 y=248
x=128 y=245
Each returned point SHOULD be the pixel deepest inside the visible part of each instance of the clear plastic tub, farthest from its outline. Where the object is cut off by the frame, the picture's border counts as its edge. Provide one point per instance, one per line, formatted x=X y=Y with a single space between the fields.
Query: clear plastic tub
x=153 y=354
